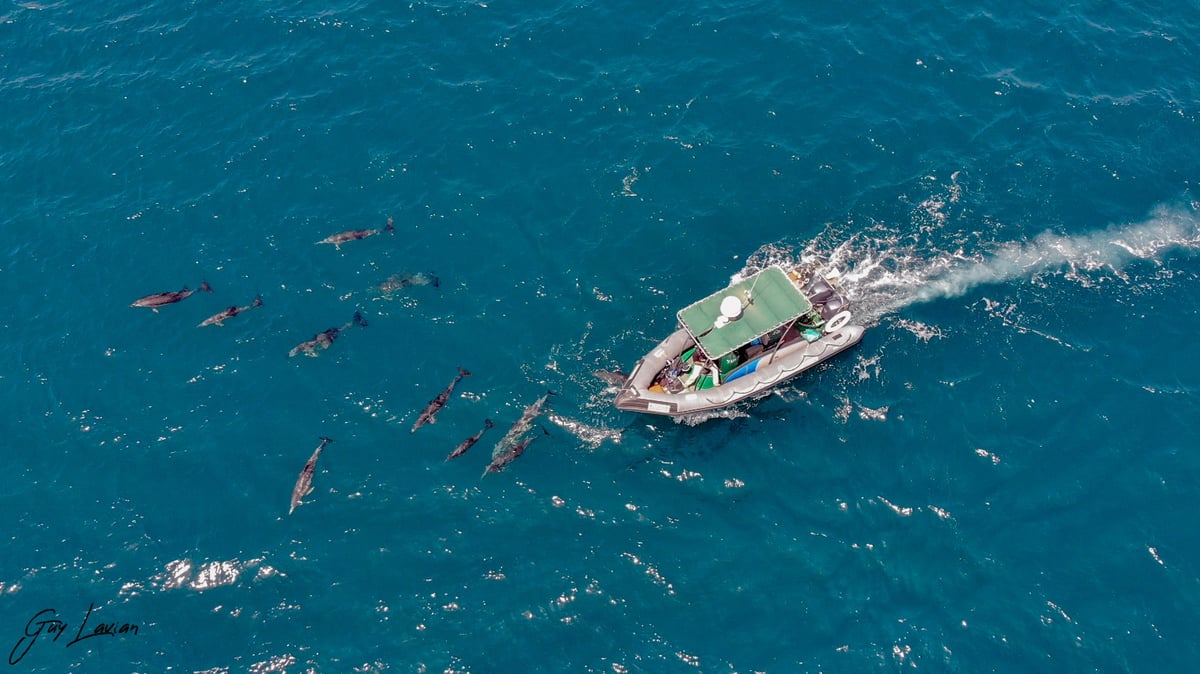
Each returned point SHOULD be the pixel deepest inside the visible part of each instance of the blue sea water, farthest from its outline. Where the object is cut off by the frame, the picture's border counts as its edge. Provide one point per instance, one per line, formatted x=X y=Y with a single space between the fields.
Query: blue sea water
x=1000 y=478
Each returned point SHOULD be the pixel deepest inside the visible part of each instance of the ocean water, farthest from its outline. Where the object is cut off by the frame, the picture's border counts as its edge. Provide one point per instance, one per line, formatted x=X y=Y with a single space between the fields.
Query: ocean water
x=1000 y=478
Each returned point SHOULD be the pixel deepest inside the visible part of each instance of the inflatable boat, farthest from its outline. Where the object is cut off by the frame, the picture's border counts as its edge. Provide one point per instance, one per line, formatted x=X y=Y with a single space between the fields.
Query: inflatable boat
x=741 y=342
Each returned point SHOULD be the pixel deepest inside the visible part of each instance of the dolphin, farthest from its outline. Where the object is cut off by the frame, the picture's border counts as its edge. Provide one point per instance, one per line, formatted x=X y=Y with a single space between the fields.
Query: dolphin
x=523 y=424
x=611 y=377
x=219 y=319
x=469 y=442
x=322 y=340
x=499 y=462
x=170 y=297
x=401 y=281
x=355 y=234
x=427 y=415
x=304 y=482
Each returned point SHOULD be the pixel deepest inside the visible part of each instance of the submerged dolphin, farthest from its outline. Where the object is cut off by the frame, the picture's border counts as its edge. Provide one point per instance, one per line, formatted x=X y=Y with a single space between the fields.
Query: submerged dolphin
x=518 y=429
x=470 y=442
x=499 y=462
x=322 y=340
x=355 y=234
x=611 y=377
x=170 y=297
x=401 y=281
x=304 y=482
x=427 y=415
x=219 y=319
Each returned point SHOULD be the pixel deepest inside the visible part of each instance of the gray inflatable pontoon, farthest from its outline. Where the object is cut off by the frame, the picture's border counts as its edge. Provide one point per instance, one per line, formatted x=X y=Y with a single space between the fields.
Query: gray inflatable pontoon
x=741 y=342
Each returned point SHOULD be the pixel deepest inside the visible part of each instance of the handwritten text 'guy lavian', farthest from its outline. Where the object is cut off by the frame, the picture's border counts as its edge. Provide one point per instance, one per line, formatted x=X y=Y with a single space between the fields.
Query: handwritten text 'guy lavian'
x=46 y=622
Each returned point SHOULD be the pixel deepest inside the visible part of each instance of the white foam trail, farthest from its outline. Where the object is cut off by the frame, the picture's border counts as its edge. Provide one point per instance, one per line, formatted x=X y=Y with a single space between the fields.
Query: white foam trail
x=1108 y=250
x=881 y=275
x=592 y=436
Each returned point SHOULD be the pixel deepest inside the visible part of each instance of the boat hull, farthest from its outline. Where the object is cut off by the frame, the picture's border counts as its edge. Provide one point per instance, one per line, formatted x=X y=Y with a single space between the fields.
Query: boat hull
x=747 y=381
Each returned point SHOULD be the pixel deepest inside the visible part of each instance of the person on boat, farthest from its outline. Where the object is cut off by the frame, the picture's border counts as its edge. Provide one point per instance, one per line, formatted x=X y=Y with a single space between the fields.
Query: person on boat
x=699 y=364
x=671 y=372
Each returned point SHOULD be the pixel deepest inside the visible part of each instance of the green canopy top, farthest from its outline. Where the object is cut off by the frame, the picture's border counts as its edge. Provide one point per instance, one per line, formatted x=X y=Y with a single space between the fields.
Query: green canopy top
x=775 y=301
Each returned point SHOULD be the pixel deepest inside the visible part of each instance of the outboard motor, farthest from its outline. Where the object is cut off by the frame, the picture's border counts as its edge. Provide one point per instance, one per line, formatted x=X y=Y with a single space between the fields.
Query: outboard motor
x=832 y=306
x=819 y=290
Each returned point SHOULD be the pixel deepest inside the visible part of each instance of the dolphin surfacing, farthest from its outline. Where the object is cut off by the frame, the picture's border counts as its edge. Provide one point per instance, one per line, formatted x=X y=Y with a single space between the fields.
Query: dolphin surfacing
x=355 y=234
x=427 y=415
x=511 y=454
x=156 y=300
x=219 y=318
x=514 y=443
x=470 y=442
x=304 y=481
x=522 y=425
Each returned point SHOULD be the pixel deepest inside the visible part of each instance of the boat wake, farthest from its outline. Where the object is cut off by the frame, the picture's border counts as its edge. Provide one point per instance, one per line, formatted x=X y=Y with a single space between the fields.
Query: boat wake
x=881 y=273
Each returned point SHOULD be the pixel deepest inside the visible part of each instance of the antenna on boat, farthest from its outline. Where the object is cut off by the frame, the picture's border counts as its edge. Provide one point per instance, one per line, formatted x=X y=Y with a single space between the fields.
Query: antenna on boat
x=750 y=292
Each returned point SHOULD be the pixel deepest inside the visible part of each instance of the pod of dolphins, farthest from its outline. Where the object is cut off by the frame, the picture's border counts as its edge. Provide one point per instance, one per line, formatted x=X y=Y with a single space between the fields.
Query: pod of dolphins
x=510 y=447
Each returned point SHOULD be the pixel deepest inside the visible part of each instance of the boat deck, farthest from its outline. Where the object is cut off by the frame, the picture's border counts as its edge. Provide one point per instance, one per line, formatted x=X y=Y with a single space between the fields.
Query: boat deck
x=775 y=302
